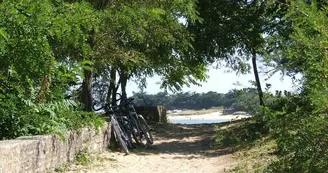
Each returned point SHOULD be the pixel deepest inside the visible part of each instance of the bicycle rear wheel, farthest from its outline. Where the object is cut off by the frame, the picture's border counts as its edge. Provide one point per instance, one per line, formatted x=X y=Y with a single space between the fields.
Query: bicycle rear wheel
x=122 y=138
x=138 y=135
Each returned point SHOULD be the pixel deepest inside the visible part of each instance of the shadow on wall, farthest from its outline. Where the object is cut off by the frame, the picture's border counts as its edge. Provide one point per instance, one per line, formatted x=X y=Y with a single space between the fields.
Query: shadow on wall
x=153 y=113
x=228 y=111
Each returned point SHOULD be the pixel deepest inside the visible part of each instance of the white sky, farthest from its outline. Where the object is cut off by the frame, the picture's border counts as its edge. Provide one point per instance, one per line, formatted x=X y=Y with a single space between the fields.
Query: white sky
x=220 y=81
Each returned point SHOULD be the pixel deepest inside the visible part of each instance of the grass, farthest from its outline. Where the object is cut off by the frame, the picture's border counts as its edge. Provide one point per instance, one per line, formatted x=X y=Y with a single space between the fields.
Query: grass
x=251 y=145
x=239 y=134
x=82 y=157
x=61 y=168
x=256 y=158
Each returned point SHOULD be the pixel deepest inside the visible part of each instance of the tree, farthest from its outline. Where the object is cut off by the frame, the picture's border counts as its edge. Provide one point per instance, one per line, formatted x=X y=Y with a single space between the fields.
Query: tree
x=232 y=31
x=298 y=121
x=142 y=39
x=40 y=62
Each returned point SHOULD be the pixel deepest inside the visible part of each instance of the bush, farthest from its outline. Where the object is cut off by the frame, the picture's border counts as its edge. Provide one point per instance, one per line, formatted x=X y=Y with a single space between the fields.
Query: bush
x=300 y=133
x=21 y=115
x=304 y=149
x=34 y=119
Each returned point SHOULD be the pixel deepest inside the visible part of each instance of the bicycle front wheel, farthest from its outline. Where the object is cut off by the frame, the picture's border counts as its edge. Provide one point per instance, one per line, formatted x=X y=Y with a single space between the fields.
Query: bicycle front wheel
x=119 y=134
x=146 y=130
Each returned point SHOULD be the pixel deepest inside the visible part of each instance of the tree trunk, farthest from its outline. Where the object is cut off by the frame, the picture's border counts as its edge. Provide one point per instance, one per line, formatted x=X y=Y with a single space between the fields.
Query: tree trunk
x=124 y=80
x=112 y=85
x=44 y=89
x=257 y=78
x=115 y=91
x=86 y=93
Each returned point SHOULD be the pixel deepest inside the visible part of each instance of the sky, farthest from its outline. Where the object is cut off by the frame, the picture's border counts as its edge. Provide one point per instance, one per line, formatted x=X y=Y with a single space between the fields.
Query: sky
x=221 y=81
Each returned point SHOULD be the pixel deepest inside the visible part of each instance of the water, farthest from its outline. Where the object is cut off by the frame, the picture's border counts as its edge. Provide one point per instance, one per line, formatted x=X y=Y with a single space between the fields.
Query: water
x=198 y=121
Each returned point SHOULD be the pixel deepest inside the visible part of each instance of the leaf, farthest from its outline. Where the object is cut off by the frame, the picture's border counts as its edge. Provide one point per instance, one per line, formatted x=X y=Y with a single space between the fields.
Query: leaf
x=3 y=34
x=87 y=64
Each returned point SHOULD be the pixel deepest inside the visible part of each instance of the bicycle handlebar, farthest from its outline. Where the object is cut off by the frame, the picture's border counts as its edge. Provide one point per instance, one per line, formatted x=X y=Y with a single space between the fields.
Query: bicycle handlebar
x=126 y=102
x=93 y=107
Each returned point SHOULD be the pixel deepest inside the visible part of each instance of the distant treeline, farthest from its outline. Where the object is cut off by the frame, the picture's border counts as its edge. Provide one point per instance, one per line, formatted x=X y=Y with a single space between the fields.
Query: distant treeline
x=238 y=99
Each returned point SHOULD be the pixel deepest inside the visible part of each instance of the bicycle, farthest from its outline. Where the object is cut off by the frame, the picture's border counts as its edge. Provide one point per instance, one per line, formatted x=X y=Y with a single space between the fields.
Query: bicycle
x=120 y=135
x=138 y=126
x=126 y=123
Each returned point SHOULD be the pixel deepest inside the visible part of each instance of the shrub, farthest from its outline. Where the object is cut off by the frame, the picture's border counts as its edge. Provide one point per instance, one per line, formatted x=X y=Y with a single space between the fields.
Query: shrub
x=300 y=133
x=21 y=115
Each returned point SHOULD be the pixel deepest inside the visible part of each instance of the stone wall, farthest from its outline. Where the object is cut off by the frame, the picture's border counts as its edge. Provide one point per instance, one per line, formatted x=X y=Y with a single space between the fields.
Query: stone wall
x=153 y=113
x=33 y=154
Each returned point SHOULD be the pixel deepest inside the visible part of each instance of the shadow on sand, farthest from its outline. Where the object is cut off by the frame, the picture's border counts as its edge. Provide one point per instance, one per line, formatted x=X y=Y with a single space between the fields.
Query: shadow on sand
x=176 y=139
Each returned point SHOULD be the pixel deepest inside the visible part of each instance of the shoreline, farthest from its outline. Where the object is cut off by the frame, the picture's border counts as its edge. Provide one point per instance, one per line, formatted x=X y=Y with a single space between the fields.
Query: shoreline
x=208 y=116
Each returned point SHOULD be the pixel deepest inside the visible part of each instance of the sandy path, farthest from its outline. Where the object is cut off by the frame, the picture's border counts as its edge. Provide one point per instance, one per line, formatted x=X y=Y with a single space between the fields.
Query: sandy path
x=177 y=148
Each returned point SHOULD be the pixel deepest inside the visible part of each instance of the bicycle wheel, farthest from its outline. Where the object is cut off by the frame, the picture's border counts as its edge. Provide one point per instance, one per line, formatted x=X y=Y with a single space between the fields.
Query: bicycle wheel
x=127 y=130
x=146 y=130
x=119 y=134
x=138 y=135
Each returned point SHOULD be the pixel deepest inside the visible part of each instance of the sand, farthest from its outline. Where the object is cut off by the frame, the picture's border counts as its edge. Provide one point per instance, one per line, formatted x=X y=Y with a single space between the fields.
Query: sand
x=176 y=149
x=208 y=116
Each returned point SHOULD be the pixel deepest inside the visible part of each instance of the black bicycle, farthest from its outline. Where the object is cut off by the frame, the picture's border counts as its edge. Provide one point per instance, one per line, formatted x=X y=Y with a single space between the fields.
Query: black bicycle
x=127 y=124
x=118 y=126
x=138 y=126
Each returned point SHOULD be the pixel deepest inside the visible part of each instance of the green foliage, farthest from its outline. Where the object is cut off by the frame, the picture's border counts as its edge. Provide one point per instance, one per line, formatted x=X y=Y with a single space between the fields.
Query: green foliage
x=46 y=46
x=240 y=134
x=20 y=115
x=61 y=168
x=82 y=157
x=3 y=34
x=305 y=149
x=25 y=25
x=180 y=100
x=255 y=158
x=146 y=38
x=299 y=122
x=300 y=134
x=39 y=64
x=241 y=100
x=229 y=31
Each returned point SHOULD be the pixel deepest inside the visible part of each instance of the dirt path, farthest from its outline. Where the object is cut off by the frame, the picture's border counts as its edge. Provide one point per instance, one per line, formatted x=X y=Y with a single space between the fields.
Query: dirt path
x=177 y=148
